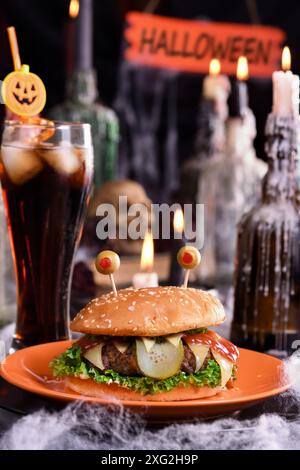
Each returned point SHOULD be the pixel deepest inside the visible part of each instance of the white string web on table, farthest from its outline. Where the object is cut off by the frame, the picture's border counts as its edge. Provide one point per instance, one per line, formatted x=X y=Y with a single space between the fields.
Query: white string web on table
x=87 y=426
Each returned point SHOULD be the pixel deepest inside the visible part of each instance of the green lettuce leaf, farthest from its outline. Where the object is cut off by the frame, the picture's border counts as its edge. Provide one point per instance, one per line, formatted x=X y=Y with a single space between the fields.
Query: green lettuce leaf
x=70 y=363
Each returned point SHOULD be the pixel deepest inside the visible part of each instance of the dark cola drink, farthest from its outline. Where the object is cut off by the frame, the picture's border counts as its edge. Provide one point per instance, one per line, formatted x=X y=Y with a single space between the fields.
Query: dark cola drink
x=46 y=184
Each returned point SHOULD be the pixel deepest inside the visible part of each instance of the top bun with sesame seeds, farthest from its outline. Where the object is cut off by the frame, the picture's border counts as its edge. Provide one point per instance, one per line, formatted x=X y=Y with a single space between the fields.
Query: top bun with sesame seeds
x=154 y=311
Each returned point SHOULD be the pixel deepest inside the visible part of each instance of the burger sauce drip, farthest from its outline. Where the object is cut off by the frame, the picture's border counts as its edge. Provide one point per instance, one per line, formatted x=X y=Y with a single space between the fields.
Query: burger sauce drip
x=216 y=343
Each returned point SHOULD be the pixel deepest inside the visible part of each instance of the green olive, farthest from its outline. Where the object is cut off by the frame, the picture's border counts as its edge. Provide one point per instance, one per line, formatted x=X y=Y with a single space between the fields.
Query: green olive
x=107 y=262
x=188 y=257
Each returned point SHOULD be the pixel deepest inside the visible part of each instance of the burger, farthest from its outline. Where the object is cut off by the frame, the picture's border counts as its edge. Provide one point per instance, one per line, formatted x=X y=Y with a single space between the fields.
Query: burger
x=149 y=344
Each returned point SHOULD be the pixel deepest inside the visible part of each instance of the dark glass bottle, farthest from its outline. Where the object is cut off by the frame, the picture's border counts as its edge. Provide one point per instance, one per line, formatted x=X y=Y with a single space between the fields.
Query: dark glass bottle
x=81 y=106
x=267 y=288
x=81 y=103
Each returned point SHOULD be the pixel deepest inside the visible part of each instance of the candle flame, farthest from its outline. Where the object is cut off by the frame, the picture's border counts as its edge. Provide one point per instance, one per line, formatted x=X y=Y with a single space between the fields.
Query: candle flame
x=178 y=222
x=147 y=256
x=242 y=71
x=74 y=9
x=286 y=59
x=214 y=67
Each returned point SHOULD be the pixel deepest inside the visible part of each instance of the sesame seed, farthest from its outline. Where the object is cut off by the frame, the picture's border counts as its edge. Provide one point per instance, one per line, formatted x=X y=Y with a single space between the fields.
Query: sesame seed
x=135 y=328
x=130 y=321
x=131 y=308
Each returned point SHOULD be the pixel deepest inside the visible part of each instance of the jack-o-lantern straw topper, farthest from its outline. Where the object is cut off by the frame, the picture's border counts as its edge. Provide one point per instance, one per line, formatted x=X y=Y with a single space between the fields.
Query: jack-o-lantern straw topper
x=188 y=258
x=23 y=91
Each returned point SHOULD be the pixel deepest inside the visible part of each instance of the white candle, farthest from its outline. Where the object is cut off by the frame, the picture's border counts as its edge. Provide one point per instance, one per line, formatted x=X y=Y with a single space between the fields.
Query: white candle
x=146 y=278
x=216 y=87
x=140 y=280
x=285 y=89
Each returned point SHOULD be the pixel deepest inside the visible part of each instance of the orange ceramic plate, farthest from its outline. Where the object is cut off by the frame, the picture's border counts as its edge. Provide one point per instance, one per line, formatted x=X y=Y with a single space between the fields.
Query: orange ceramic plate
x=259 y=377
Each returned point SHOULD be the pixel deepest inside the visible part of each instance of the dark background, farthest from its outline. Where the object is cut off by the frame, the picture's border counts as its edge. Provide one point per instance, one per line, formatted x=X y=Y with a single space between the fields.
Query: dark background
x=40 y=29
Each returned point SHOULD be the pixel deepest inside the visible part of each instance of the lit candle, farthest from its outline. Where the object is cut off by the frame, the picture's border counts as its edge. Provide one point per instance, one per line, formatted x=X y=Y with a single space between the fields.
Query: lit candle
x=178 y=241
x=146 y=278
x=238 y=101
x=216 y=86
x=211 y=82
x=285 y=88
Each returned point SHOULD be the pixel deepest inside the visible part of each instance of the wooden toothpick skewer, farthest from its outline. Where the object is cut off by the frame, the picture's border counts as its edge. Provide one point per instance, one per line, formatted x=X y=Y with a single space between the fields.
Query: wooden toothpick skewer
x=186 y=278
x=111 y=277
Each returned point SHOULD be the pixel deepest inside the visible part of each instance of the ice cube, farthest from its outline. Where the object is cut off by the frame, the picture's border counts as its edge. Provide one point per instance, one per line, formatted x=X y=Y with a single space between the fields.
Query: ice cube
x=21 y=164
x=61 y=159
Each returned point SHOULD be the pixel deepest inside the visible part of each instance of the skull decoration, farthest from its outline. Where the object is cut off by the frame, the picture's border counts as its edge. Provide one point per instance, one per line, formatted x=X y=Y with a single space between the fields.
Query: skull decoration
x=109 y=193
x=24 y=92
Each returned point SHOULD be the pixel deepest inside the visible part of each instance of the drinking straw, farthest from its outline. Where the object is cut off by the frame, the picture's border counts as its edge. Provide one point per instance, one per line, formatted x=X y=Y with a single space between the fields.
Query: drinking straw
x=13 y=42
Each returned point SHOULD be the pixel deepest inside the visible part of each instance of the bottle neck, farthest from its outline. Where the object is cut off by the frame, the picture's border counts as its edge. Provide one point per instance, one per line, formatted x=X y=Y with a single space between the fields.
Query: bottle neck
x=281 y=148
x=81 y=87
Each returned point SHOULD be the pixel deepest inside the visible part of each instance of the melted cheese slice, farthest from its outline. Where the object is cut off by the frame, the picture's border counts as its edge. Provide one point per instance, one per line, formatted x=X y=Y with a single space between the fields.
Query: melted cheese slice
x=120 y=345
x=148 y=343
x=94 y=355
x=200 y=352
x=174 y=339
x=225 y=366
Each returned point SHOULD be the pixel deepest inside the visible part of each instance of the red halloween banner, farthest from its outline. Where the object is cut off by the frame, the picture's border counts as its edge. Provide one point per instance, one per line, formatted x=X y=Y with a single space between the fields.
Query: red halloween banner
x=189 y=45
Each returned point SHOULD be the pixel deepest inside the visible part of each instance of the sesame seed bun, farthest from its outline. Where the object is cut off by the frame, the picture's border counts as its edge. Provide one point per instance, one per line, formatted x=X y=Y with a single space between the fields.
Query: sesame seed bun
x=155 y=311
x=113 y=391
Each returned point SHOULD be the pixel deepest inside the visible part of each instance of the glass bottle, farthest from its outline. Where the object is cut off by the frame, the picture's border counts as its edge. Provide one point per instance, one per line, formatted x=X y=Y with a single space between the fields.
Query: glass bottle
x=81 y=98
x=81 y=106
x=267 y=290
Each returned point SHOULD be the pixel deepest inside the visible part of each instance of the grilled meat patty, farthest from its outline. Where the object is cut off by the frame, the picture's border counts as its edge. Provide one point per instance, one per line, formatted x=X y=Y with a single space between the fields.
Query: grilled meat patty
x=124 y=363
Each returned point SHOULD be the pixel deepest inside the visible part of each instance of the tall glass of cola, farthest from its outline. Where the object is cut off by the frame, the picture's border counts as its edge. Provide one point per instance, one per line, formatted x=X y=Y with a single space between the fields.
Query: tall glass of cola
x=46 y=173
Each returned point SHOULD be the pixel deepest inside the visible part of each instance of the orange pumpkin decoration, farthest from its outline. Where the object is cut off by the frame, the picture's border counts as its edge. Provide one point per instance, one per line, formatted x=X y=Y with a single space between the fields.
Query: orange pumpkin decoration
x=24 y=92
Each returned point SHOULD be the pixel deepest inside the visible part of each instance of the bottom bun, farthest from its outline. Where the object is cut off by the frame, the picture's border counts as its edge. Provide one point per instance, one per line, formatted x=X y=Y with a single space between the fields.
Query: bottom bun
x=90 y=388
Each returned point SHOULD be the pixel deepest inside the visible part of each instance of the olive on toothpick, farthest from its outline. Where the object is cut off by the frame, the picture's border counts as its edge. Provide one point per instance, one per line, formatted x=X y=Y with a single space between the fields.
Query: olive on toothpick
x=188 y=258
x=107 y=262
